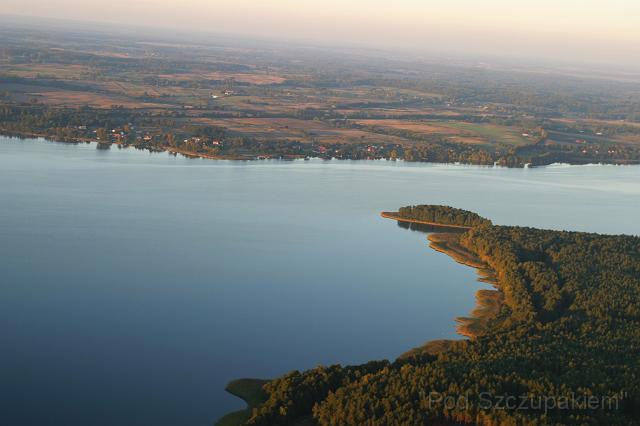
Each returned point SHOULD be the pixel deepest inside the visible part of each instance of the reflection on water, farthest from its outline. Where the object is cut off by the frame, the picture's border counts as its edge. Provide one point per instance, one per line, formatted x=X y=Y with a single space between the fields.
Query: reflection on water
x=429 y=229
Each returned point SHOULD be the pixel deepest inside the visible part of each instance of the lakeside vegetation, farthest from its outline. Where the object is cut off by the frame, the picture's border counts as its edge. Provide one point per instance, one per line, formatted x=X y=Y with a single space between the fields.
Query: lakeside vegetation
x=443 y=215
x=234 y=101
x=564 y=327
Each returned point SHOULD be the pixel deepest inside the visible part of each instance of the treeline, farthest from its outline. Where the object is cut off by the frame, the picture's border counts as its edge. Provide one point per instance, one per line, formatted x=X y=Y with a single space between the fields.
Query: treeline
x=447 y=152
x=301 y=391
x=443 y=214
x=564 y=349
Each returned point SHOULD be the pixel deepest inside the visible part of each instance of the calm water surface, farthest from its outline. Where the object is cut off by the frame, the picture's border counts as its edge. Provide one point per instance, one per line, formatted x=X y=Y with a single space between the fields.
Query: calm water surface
x=133 y=286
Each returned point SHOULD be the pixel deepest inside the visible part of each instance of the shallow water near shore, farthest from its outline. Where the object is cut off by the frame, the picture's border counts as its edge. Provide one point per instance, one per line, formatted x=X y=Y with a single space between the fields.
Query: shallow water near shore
x=135 y=285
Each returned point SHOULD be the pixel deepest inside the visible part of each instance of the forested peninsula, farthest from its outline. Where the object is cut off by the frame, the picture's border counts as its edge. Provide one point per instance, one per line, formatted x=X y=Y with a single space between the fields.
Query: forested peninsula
x=557 y=344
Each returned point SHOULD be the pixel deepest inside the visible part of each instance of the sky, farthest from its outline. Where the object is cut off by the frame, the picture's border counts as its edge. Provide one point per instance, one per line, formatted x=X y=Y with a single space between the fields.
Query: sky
x=589 y=30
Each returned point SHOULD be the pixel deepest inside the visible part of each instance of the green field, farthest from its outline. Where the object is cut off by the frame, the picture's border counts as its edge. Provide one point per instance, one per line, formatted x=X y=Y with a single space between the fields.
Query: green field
x=492 y=133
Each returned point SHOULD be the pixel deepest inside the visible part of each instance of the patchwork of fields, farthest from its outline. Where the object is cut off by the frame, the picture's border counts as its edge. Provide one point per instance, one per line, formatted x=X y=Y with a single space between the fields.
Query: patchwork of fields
x=168 y=93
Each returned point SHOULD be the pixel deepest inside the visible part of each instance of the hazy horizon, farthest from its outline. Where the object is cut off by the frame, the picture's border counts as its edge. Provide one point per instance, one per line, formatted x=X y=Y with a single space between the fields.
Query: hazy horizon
x=581 y=31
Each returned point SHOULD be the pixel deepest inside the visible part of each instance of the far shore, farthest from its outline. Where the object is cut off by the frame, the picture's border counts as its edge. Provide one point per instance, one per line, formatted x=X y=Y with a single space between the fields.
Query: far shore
x=169 y=149
x=255 y=157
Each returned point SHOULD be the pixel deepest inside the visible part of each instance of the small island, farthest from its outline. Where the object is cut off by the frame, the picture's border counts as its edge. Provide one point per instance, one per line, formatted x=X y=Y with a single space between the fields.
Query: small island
x=558 y=340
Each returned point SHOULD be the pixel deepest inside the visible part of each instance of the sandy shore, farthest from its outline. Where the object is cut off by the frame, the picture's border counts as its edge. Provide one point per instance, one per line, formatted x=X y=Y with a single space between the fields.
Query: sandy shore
x=488 y=302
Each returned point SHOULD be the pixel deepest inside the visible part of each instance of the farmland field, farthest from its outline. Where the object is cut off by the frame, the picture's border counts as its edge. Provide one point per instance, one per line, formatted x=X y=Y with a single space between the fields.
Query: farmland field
x=256 y=103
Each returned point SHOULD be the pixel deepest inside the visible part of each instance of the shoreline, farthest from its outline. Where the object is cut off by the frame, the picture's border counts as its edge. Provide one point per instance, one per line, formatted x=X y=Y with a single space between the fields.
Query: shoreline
x=168 y=149
x=248 y=390
x=493 y=317
x=256 y=157
x=488 y=302
x=487 y=307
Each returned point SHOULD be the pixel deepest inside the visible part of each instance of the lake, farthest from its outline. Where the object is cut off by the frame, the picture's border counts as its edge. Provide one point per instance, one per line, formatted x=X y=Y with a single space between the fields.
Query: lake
x=134 y=286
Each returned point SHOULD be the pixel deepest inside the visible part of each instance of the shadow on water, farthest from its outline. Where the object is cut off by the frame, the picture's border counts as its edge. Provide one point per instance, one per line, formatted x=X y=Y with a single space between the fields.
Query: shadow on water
x=102 y=146
x=429 y=229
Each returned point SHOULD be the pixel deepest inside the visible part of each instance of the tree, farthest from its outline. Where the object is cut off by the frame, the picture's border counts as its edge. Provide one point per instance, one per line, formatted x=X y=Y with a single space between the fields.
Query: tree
x=103 y=135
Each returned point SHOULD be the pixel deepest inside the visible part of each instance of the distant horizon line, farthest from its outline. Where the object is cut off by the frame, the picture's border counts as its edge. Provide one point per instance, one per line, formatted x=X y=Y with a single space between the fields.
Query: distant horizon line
x=201 y=37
